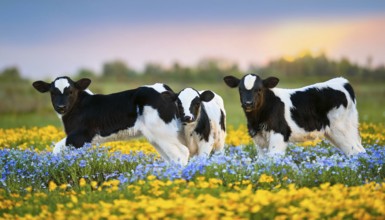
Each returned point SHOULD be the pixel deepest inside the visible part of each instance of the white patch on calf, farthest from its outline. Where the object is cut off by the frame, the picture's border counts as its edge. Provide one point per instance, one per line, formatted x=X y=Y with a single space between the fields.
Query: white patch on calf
x=59 y=115
x=249 y=81
x=61 y=84
x=88 y=91
x=159 y=87
x=186 y=96
x=59 y=146
x=277 y=145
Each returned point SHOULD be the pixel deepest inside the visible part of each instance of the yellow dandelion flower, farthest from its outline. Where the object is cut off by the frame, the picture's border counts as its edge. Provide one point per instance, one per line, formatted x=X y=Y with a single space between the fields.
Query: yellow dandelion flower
x=52 y=185
x=63 y=186
x=82 y=182
x=94 y=184
x=28 y=189
x=74 y=199
x=266 y=178
x=114 y=182
x=151 y=177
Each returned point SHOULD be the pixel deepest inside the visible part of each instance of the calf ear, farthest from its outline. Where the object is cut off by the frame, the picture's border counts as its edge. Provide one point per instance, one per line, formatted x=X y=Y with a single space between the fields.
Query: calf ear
x=41 y=86
x=231 y=81
x=169 y=96
x=82 y=84
x=270 y=82
x=206 y=96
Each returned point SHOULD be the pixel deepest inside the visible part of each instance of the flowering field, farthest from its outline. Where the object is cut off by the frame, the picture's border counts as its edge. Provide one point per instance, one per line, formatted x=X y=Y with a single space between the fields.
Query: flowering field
x=128 y=180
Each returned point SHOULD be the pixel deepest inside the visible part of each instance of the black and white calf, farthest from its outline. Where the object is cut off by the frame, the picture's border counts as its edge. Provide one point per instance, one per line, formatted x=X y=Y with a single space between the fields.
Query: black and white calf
x=88 y=118
x=204 y=121
x=276 y=116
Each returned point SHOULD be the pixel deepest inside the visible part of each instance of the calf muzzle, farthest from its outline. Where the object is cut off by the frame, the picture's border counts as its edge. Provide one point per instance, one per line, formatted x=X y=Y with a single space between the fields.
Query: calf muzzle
x=248 y=106
x=187 y=119
x=61 y=109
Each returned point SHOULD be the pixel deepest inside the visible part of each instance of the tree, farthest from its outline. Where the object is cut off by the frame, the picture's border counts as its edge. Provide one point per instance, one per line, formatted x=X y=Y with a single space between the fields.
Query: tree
x=153 y=69
x=85 y=73
x=117 y=70
x=10 y=74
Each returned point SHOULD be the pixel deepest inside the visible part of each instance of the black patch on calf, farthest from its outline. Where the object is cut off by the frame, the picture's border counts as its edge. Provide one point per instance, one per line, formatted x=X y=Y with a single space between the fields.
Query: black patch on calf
x=78 y=138
x=350 y=90
x=310 y=107
x=222 y=121
x=203 y=125
x=180 y=112
x=195 y=106
x=99 y=115
x=270 y=116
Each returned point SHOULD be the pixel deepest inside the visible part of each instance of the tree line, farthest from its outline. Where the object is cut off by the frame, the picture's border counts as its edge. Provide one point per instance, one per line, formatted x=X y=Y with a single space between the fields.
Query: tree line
x=210 y=70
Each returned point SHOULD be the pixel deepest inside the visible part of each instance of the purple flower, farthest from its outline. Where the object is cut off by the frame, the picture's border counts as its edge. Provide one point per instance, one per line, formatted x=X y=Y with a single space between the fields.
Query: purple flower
x=82 y=163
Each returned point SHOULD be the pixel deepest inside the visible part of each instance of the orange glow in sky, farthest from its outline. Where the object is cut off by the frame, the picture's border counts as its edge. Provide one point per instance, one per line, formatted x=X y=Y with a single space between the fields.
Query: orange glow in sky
x=234 y=32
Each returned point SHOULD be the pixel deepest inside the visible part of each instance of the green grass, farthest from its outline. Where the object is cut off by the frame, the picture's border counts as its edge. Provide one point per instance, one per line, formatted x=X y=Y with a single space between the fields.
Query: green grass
x=39 y=119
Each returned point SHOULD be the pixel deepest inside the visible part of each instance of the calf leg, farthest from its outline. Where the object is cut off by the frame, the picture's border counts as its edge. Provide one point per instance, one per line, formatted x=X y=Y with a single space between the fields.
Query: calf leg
x=343 y=131
x=59 y=146
x=261 y=145
x=170 y=150
x=277 y=144
x=346 y=138
x=219 y=144
x=173 y=152
x=74 y=139
x=78 y=139
x=160 y=151
x=205 y=148
x=269 y=144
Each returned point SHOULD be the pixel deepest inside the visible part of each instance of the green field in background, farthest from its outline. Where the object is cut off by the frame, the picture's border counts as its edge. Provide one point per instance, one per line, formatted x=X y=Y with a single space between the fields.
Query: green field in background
x=370 y=97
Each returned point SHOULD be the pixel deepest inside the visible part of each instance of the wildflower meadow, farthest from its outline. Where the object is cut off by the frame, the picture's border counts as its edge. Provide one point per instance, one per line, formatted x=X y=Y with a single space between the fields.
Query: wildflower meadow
x=129 y=180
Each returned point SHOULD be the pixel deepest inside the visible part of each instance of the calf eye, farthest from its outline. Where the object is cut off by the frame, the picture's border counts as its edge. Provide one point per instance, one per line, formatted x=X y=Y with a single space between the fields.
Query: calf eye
x=197 y=104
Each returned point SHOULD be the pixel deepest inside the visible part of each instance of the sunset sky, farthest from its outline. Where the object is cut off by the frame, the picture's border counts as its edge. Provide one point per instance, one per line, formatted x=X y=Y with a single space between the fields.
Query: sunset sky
x=51 y=38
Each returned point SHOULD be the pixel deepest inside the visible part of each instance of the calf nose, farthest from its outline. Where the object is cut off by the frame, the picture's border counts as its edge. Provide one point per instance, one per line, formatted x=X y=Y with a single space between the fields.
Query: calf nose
x=248 y=104
x=61 y=107
x=186 y=119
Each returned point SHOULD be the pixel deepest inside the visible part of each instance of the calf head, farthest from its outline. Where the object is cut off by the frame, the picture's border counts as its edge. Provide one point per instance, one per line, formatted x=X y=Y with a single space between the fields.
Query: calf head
x=251 y=89
x=189 y=103
x=64 y=92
